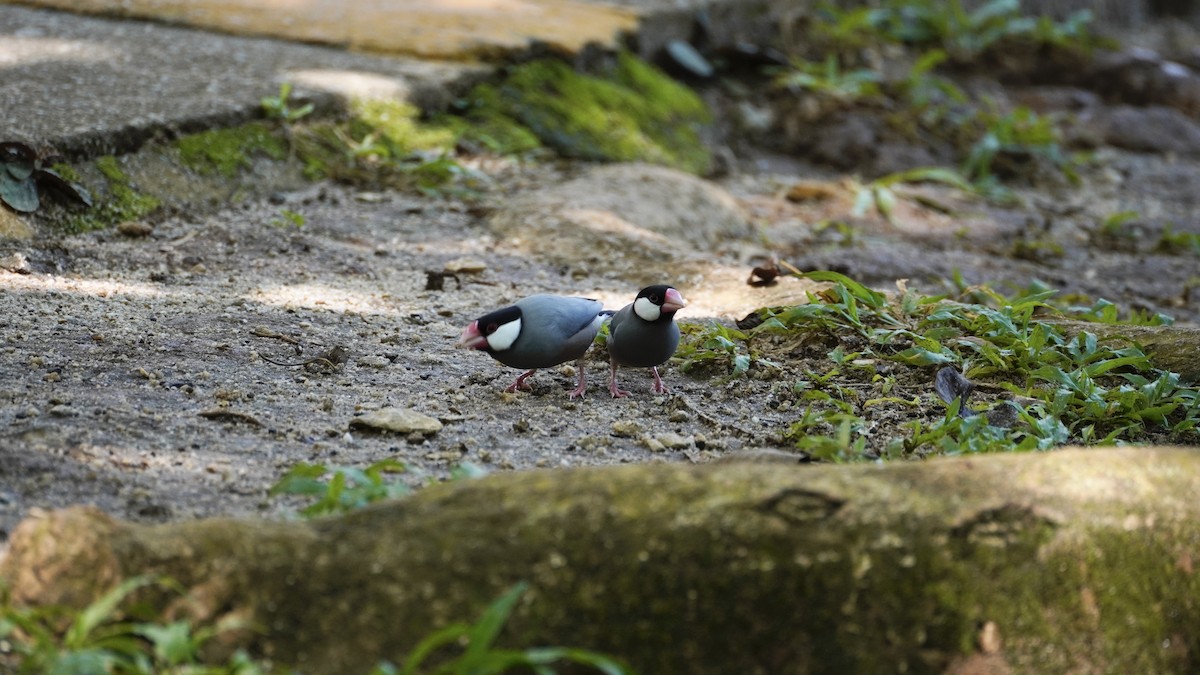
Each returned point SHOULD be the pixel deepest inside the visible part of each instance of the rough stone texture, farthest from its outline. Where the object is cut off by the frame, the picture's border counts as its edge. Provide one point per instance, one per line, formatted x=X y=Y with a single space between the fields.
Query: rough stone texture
x=638 y=220
x=425 y=29
x=1152 y=129
x=92 y=86
x=1077 y=559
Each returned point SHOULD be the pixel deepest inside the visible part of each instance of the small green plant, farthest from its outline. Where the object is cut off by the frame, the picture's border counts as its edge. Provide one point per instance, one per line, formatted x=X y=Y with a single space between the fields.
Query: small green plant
x=828 y=79
x=1011 y=141
x=100 y=639
x=280 y=107
x=340 y=489
x=1113 y=225
x=481 y=656
x=288 y=218
x=836 y=231
x=880 y=193
x=1067 y=387
x=1171 y=241
x=715 y=345
x=948 y=25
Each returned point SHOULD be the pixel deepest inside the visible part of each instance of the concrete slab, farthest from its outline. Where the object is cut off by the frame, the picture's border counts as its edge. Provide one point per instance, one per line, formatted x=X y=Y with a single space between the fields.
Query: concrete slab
x=91 y=86
x=427 y=28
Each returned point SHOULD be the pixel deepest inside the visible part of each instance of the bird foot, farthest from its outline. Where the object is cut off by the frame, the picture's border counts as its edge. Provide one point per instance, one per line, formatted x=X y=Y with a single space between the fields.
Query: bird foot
x=659 y=387
x=520 y=383
x=617 y=392
x=577 y=392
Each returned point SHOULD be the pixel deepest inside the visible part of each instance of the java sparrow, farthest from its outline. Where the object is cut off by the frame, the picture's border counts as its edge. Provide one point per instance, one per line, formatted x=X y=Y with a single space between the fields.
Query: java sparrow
x=539 y=331
x=643 y=334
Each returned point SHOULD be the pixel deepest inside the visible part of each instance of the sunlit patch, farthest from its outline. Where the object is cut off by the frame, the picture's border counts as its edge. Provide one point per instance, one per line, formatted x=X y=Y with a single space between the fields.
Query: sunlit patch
x=17 y=50
x=312 y=296
x=100 y=288
x=352 y=84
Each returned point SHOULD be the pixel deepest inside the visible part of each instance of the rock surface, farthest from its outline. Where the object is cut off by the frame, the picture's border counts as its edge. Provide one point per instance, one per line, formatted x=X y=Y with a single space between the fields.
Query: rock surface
x=635 y=221
x=732 y=568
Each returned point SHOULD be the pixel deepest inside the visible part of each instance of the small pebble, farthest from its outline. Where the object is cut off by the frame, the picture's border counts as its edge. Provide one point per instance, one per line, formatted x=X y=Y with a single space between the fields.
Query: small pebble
x=372 y=361
x=465 y=266
x=398 y=420
x=135 y=228
x=653 y=444
x=626 y=428
x=674 y=441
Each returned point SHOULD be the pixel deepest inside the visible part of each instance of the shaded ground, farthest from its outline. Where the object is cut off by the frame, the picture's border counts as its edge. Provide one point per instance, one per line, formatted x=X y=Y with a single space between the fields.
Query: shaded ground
x=131 y=375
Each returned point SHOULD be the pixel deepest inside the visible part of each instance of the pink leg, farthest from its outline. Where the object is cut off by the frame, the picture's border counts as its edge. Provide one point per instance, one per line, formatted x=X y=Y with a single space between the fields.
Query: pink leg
x=659 y=387
x=578 y=391
x=520 y=383
x=616 y=391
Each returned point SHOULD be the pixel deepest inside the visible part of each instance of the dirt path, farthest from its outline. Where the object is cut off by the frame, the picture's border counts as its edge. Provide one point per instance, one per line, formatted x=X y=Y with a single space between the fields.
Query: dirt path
x=132 y=376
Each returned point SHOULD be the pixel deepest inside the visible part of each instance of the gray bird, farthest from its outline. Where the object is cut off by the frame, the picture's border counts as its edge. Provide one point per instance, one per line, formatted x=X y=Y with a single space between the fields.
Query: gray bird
x=643 y=334
x=539 y=331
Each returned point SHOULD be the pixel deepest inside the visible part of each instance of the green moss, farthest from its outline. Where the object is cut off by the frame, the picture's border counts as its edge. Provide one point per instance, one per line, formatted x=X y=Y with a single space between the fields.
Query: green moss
x=121 y=203
x=396 y=124
x=635 y=113
x=226 y=151
x=67 y=172
x=381 y=144
x=486 y=124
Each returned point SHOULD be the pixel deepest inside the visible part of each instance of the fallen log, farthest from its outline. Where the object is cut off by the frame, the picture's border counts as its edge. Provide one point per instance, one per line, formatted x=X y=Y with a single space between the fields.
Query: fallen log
x=1075 y=560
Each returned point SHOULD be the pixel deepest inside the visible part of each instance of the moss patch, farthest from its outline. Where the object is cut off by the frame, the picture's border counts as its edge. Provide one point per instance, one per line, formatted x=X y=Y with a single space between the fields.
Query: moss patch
x=634 y=113
x=382 y=143
x=226 y=151
x=121 y=203
x=395 y=124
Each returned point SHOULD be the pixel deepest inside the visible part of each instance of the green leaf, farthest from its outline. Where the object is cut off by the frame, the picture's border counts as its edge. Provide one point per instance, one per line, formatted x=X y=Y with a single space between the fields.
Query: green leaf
x=20 y=194
x=873 y=299
x=431 y=643
x=927 y=174
x=173 y=643
x=605 y=664
x=885 y=202
x=862 y=201
x=485 y=631
x=83 y=662
x=919 y=356
x=100 y=611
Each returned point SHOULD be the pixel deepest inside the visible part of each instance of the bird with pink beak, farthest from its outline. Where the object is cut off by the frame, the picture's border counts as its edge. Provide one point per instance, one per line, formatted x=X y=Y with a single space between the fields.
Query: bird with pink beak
x=643 y=334
x=540 y=331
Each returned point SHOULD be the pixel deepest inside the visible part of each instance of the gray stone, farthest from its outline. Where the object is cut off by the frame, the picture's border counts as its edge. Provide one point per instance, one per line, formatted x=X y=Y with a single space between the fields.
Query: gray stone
x=398 y=420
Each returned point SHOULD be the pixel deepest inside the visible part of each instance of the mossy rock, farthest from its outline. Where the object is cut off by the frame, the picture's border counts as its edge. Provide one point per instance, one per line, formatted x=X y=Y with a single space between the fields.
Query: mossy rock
x=227 y=151
x=117 y=200
x=1076 y=560
x=636 y=113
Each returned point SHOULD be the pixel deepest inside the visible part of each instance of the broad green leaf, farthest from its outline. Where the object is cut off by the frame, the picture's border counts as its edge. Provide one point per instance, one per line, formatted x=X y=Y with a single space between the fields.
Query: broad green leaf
x=101 y=611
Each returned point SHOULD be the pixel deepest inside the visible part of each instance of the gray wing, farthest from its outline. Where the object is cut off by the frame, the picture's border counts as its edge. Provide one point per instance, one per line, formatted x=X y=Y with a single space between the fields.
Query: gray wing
x=554 y=329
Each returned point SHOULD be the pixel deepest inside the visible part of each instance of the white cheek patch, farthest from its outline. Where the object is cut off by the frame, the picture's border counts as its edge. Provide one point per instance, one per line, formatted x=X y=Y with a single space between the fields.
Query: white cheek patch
x=646 y=310
x=503 y=337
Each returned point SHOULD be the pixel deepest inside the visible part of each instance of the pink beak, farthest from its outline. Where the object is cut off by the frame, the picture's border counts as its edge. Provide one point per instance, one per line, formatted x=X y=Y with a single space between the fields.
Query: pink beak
x=471 y=338
x=674 y=301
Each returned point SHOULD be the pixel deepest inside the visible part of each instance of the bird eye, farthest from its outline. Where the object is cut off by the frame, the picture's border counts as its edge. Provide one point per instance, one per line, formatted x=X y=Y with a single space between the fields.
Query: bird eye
x=654 y=298
x=491 y=328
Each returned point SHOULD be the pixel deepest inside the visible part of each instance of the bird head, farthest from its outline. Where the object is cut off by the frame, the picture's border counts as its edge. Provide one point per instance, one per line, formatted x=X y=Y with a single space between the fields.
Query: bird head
x=658 y=302
x=493 y=332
